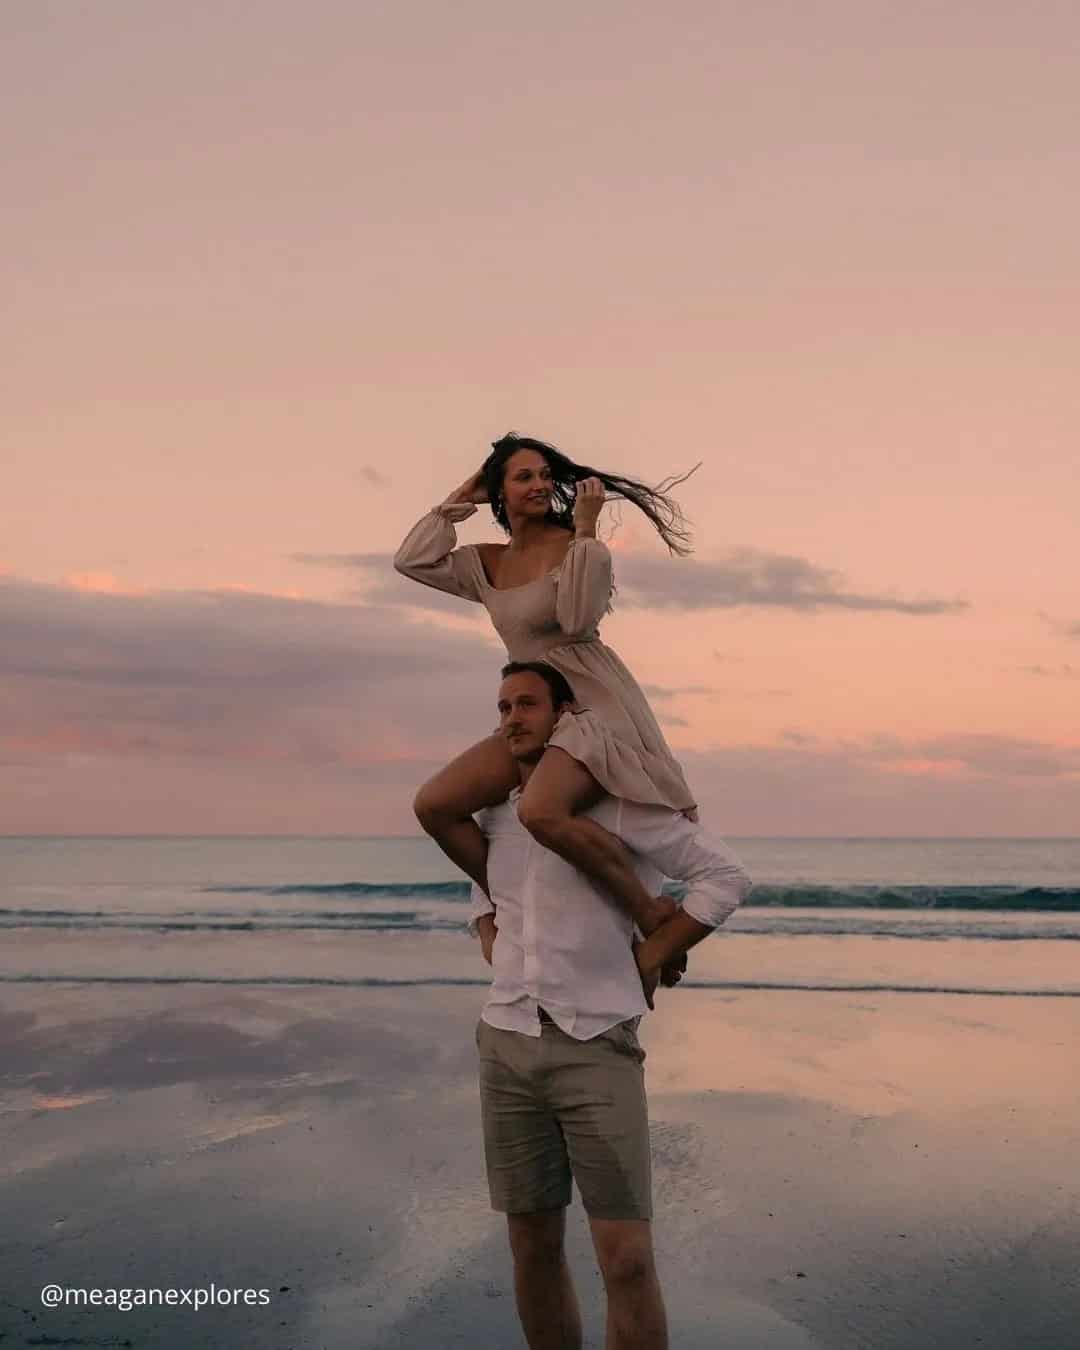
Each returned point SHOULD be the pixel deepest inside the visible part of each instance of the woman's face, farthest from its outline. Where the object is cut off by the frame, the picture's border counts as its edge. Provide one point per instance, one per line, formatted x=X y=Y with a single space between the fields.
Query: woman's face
x=527 y=485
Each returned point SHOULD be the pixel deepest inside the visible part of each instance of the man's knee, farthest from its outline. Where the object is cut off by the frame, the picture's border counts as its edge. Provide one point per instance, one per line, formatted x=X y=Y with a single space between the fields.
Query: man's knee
x=625 y=1262
x=537 y=1239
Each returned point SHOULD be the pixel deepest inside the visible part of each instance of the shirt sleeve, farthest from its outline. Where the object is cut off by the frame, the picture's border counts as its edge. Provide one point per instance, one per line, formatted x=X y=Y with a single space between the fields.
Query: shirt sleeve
x=429 y=553
x=717 y=882
x=479 y=905
x=583 y=588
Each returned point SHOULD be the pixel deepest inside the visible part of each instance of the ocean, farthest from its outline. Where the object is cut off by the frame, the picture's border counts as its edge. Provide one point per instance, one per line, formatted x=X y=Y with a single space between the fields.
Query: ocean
x=995 y=916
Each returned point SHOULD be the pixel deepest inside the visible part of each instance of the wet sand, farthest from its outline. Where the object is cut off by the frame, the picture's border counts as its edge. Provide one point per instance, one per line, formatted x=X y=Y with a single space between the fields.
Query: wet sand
x=843 y=1171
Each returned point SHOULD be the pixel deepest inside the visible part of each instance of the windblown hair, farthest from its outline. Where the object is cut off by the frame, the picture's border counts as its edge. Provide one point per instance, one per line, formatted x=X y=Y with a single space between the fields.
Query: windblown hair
x=556 y=681
x=663 y=511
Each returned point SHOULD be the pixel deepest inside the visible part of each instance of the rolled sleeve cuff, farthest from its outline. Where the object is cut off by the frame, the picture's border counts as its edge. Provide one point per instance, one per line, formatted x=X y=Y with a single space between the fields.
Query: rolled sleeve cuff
x=711 y=904
x=479 y=905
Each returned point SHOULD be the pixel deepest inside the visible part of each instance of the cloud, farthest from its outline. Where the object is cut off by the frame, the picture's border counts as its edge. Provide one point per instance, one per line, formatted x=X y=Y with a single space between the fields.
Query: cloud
x=754 y=579
x=234 y=675
x=666 y=691
x=1066 y=672
x=228 y=711
x=954 y=785
x=383 y=586
x=1069 y=628
x=746 y=578
x=662 y=691
x=998 y=757
x=960 y=757
x=104 y=582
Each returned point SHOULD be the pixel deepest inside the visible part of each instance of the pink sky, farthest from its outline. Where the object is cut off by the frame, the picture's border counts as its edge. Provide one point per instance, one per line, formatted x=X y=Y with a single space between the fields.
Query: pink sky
x=275 y=277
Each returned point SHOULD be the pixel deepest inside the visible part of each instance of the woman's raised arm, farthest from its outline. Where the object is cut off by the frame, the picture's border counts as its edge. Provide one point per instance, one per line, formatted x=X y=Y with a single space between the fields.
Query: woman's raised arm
x=429 y=552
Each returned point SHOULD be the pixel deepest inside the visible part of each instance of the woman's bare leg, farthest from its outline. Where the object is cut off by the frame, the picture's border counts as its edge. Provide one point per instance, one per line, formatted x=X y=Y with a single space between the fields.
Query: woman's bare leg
x=560 y=786
x=483 y=776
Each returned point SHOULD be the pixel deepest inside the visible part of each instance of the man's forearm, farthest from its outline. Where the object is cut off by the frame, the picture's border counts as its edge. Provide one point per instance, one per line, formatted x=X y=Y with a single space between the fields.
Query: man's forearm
x=670 y=941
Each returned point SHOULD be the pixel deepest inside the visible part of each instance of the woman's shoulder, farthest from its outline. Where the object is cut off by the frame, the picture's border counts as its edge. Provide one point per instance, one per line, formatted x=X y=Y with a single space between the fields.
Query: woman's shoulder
x=487 y=556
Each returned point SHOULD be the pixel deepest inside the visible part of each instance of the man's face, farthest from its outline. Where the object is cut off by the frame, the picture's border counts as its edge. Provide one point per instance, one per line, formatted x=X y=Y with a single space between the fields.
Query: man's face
x=526 y=715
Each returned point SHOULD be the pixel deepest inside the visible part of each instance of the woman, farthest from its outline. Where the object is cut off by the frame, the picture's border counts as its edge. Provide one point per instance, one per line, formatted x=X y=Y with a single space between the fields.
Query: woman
x=546 y=591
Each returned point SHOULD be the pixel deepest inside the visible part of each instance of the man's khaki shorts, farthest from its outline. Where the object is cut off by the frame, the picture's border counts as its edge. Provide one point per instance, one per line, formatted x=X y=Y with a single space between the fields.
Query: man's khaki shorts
x=554 y=1107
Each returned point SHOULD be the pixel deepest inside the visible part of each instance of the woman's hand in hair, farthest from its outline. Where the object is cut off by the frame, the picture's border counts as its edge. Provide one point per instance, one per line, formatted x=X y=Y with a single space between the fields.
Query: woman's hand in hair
x=587 y=506
x=472 y=490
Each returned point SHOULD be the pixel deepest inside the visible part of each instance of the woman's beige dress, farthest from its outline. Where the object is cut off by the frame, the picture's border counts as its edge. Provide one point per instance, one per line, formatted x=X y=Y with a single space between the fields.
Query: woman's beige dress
x=612 y=730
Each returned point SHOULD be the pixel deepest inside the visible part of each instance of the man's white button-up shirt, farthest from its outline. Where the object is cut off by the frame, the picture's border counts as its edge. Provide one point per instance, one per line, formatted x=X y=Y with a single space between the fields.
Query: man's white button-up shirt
x=563 y=943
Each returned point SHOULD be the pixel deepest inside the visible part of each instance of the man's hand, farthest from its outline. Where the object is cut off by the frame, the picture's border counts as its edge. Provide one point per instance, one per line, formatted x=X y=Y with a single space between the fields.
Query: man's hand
x=487 y=928
x=663 y=953
x=650 y=974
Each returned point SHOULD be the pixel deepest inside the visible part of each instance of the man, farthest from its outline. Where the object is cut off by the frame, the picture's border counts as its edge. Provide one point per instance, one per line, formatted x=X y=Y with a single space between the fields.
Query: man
x=561 y=1080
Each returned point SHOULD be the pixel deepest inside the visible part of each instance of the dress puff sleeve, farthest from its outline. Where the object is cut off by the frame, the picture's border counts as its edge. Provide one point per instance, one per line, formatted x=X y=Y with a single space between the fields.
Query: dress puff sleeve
x=583 y=589
x=429 y=553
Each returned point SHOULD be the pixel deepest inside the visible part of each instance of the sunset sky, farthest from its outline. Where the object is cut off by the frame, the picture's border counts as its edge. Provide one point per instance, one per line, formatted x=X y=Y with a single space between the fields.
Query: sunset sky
x=275 y=275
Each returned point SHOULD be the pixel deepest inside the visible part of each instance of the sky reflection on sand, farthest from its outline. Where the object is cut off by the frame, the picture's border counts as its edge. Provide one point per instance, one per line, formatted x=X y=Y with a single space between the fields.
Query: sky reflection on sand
x=328 y=1141
x=894 y=1053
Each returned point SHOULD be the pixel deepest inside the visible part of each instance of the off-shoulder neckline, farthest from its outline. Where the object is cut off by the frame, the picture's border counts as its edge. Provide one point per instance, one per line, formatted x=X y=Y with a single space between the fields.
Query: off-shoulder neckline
x=542 y=577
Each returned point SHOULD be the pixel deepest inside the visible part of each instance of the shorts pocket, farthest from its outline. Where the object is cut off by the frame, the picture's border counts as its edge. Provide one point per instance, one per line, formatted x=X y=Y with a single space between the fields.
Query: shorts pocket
x=624 y=1037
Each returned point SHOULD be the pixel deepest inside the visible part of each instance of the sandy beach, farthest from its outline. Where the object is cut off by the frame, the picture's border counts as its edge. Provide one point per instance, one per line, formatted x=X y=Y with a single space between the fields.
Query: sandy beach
x=842 y=1171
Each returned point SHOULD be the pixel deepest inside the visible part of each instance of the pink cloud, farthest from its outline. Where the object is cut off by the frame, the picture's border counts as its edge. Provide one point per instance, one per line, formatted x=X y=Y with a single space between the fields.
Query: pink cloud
x=101 y=583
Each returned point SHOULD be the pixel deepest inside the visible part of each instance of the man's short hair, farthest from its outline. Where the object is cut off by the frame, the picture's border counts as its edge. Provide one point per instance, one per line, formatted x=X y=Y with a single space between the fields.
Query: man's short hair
x=555 y=680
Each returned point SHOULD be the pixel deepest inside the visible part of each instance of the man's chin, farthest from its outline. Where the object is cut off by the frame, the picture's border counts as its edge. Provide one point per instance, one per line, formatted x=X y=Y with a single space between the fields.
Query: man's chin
x=525 y=751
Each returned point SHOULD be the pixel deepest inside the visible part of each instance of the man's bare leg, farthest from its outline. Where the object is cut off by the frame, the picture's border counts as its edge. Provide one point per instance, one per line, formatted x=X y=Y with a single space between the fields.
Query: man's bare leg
x=636 y=1319
x=546 y=1302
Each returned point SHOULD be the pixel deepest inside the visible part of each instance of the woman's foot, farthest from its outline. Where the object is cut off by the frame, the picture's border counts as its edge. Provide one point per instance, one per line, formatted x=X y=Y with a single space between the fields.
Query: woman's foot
x=671 y=974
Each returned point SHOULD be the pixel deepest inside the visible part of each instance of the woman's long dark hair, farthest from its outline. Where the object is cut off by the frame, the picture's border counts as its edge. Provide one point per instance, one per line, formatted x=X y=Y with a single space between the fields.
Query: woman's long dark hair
x=664 y=512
